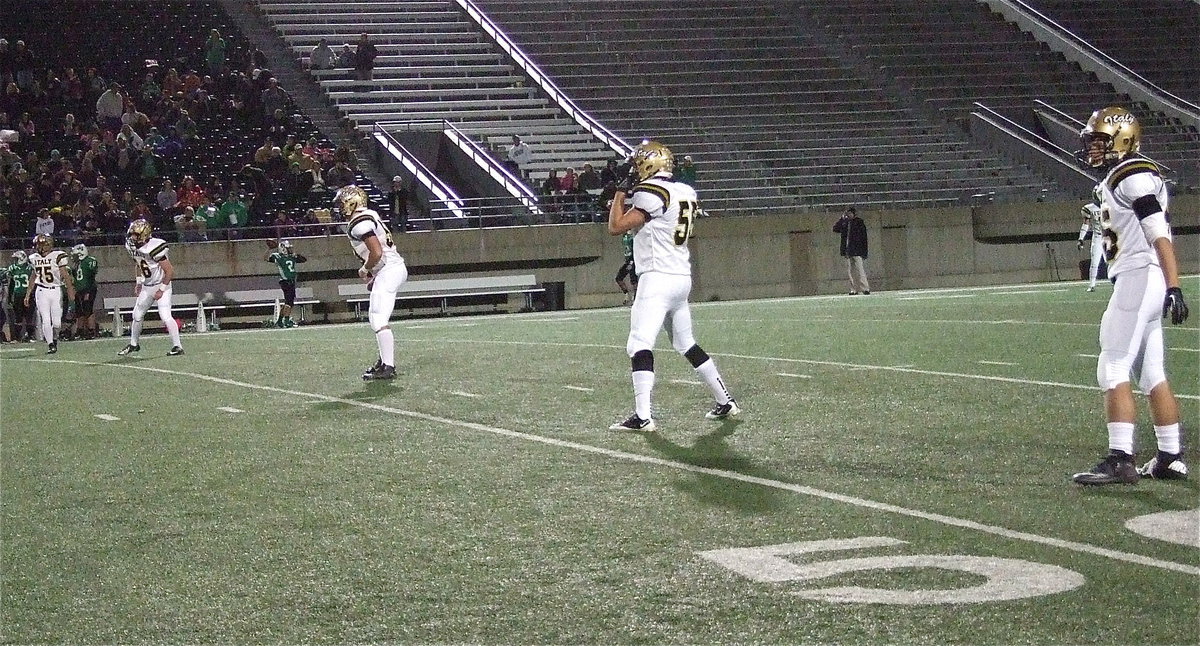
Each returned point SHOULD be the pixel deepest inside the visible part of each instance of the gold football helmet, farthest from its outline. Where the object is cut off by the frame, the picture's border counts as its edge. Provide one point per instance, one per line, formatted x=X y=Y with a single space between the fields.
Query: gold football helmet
x=349 y=199
x=651 y=157
x=43 y=243
x=138 y=232
x=1111 y=134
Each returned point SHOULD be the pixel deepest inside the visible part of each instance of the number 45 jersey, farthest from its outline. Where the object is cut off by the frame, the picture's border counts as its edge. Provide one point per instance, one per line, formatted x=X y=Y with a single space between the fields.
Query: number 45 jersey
x=661 y=243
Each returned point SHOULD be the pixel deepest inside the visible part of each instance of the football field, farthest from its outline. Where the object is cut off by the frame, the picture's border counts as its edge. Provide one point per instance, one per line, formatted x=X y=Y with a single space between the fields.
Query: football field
x=900 y=474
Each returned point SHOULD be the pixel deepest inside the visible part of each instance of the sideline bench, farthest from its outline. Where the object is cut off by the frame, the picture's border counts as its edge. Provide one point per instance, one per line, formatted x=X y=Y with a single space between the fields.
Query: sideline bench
x=259 y=298
x=122 y=306
x=445 y=289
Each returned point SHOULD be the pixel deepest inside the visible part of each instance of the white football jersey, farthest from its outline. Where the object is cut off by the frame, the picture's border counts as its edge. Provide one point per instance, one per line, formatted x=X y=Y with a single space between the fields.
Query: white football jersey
x=1134 y=211
x=661 y=243
x=148 y=257
x=47 y=269
x=366 y=222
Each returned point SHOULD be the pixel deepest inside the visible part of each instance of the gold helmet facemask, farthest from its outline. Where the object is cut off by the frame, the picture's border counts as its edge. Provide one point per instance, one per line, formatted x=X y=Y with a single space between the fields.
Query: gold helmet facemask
x=138 y=232
x=349 y=199
x=650 y=158
x=43 y=243
x=1111 y=135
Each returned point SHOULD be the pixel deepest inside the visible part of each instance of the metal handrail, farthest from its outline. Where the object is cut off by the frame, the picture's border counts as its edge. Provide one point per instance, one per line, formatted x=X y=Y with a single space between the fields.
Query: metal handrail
x=513 y=185
x=423 y=175
x=523 y=61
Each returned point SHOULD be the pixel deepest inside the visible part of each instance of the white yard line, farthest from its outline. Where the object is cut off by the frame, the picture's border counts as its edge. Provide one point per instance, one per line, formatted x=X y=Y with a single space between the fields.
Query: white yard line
x=939 y=296
x=995 y=530
x=230 y=409
x=789 y=374
x=579 y=388
x=690 y=382
x=461 y=393
x=107 y=418
x=998 y=363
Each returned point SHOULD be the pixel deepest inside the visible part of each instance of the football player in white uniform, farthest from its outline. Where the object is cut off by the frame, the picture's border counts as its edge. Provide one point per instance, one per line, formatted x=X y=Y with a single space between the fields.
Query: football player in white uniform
x=1145 y=275
x=382 y=269
x=50 y=273
x=662 y=213
x=153 y=285
x=1092 y=227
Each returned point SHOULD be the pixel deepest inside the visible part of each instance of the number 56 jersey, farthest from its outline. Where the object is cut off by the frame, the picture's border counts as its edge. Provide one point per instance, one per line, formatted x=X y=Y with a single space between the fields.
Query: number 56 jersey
x=661 y=243
x=148 y=257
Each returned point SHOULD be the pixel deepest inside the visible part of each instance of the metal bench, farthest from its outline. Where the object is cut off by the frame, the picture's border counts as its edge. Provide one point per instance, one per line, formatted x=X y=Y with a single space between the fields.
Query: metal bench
x=445 y=289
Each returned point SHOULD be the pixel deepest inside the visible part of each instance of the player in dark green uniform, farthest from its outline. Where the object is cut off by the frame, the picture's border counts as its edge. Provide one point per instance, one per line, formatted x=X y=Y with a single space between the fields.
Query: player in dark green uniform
x=286 y=262
x=627 y=269
x=20 y=273
x=84 y=272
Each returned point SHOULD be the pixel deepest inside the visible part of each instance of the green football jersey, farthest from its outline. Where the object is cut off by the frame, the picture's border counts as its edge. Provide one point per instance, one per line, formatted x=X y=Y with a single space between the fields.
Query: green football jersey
x=286 y=262
x=85 y=273
x=18 y=276
x=627 y=244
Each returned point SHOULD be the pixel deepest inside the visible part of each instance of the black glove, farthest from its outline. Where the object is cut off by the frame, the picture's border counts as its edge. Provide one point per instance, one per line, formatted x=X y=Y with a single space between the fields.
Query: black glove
x=1174 y=304
x=626 y=178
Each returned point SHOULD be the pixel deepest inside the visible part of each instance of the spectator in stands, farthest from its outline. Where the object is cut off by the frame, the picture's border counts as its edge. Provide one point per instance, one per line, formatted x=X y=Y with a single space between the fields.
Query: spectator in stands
x=364 y=58
x=854 y=249
x=109 y=107
x=519 y=154
x=397 y=200
x=23 y=65
x=167 y=199
x=686 y=172
x=589 y=180
x=128 y=136
x=44 y=223
x=274 y=98
x=150 y=166
x=27 y=129
x=346 y=56
x=339 y=175
x=153 y=139
x=608 y=175
x=135 y=119
x=569 y=182
x=263 y=152
x=299 y=183
x=187 y=226
x=150 y=90
x=322 y=56
x=214 y=52
x=186 y=127
x=171 y=83
x=279 y=126
x=190 y=193
x=233 y=214
x=283 y=226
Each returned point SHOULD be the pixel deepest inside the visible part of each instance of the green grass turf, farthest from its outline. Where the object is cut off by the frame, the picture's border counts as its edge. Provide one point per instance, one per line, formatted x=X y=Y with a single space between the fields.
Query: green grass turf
x=478 y=498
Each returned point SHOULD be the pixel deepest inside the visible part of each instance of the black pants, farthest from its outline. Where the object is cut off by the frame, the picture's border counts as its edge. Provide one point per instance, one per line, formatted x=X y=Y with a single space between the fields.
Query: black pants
x=289 y=292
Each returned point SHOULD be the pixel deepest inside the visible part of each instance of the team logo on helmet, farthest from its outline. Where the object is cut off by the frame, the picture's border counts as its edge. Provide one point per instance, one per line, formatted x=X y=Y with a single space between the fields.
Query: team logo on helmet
x=349 y=199
x=43 y=243
x=1111 y=135
x=138 y=232
x=650 y=158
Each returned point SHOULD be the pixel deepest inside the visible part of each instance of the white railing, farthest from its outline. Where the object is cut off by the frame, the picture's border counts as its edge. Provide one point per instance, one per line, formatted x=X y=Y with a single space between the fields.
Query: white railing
x=442 y=192
x=519 y=57
x=512 y=185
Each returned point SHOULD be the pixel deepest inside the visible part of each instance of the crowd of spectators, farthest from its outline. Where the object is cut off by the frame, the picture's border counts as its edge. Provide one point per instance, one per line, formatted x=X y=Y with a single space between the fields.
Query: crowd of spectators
x=204 y=145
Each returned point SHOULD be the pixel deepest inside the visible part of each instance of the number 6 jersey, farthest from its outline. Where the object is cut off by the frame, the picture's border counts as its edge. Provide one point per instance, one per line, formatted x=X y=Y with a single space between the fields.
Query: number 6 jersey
x=661 y=243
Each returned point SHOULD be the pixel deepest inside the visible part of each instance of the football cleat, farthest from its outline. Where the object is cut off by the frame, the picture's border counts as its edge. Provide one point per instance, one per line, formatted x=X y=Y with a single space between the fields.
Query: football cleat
x=1165 y=466
x=633 y=423
x=52 y=349
x=1116 y=468
x=129 y=349
x=380 y=372
x=724 y=411
x=174 y=351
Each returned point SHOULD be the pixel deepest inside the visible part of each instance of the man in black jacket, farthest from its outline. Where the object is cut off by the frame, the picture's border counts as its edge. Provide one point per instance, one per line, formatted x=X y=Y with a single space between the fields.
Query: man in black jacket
x=854 y=249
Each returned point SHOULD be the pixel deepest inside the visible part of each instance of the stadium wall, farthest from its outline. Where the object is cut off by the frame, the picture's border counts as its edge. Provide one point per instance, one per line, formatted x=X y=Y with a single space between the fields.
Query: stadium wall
x=734 y=257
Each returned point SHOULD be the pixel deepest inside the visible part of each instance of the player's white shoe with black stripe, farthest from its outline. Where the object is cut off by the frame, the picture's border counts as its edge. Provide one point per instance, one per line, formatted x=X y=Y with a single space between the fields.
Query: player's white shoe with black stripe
x=129 y=349
x=1165 y=466
x=724 y=411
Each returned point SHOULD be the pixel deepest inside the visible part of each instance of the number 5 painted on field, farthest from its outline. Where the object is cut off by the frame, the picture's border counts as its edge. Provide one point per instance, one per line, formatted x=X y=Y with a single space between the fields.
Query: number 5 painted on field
x=1006 y=578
